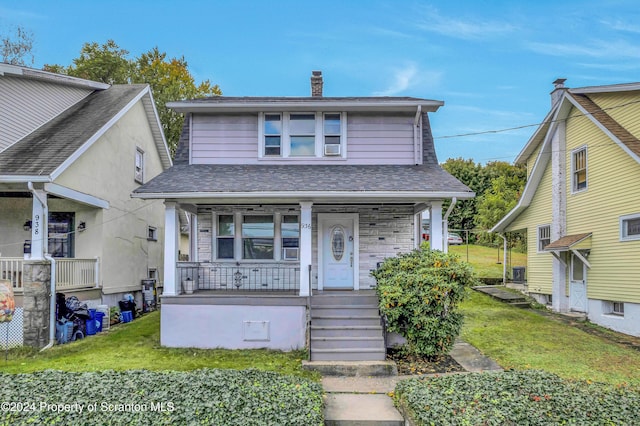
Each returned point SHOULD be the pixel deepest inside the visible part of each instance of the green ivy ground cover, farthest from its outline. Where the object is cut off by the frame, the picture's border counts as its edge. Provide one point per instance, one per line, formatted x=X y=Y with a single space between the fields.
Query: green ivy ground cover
x=140 y=397
x=516 y=398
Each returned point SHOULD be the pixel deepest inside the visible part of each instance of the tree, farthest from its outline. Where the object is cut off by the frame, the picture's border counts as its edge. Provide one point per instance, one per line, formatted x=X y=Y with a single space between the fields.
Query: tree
x=170 y=79
x=493 y=199
x=17 y=48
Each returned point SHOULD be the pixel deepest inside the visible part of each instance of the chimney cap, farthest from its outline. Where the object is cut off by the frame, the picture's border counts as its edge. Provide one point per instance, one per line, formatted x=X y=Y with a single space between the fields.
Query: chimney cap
x=559 y=83
x=316 y=73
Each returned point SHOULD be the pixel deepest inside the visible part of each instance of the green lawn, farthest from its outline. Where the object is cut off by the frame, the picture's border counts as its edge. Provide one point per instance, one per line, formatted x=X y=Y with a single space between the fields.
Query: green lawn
x=485 y=259
x=523 y=339
x=136 y=345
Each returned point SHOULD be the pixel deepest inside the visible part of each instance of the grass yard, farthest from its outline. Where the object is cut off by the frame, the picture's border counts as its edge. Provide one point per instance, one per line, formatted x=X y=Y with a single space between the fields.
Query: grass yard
x=136 y=345
x=485 y=259
x=522 y=339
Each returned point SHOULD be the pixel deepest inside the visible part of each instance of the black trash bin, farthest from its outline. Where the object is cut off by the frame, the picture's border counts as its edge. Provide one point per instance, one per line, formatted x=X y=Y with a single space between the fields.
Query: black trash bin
x=126 y=305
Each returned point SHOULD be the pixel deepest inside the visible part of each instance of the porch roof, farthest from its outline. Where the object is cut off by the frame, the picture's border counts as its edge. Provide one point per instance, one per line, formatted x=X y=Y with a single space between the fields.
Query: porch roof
x=386 y=181
x=569 y=242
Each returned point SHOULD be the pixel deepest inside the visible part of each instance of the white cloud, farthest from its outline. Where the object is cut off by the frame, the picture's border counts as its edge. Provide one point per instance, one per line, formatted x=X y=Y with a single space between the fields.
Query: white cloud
x=464 y=29
x=619 y=25
x=595 y=49
x=409 y=77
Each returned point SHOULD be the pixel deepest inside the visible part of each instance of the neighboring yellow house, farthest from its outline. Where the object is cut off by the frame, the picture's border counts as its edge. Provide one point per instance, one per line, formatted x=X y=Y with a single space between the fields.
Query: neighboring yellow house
x=71 y=153
x=581 y=205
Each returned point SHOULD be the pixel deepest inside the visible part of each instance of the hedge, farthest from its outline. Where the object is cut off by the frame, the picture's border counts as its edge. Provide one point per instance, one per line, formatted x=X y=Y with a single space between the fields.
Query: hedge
x=140 y=397
x=516 y=398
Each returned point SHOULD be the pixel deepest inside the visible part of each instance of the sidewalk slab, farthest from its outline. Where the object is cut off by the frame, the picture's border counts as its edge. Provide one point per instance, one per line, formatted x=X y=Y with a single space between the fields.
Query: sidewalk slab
x=360 y=409
x=471 y=359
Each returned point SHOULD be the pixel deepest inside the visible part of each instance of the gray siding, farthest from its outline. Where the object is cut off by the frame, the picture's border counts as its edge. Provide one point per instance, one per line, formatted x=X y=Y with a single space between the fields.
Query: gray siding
x=224 y=139
x=371 y=139
x=384 y=232
x=27 y=104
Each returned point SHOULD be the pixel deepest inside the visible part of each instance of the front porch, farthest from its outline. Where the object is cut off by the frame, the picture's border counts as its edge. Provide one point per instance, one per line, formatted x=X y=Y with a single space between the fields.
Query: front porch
x=71 y=274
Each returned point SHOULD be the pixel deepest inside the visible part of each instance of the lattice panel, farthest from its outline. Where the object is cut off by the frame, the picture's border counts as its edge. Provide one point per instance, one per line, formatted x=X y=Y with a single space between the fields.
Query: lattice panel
x=15 y=331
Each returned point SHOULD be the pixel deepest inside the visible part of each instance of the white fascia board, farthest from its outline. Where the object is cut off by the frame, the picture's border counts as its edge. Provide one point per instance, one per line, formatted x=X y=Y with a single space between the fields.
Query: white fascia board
x=73 y=157
x=23 y=179
x=532 y=183
x=306 y=195
x=604 y=129
x=156 y=130
x=71 y=194
x=529 y=147
x=35 y=74
x=428 y=106
x=627 y=87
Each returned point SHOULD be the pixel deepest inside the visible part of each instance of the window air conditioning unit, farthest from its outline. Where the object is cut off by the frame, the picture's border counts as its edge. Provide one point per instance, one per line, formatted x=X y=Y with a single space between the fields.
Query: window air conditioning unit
x=290 y=253
x=332 y=149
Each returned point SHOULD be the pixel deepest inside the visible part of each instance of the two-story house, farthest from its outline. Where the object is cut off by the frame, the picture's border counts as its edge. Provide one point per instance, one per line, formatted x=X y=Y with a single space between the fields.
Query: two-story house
x=580 y=208
x=294 y=201
x=71 y=152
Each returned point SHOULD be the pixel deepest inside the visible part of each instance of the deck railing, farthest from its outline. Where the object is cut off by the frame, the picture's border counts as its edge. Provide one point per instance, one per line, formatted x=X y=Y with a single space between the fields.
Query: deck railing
x=76 y=273
x=11 y=269
x=70 y=273
x=244 y=277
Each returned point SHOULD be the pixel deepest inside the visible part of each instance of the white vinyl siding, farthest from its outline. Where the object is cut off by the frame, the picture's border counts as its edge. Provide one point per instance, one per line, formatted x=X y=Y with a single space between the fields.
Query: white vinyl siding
x=28 y=104
x=376 y=139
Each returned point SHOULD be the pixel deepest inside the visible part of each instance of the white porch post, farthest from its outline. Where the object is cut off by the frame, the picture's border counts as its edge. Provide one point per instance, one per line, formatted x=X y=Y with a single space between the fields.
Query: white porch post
x=171 y=244
x=305 y=247
x=39 y=226
x=436 y=235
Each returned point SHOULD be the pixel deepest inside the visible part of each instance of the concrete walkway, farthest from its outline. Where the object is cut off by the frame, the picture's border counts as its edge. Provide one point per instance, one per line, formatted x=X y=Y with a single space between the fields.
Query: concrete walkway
x=360 y=401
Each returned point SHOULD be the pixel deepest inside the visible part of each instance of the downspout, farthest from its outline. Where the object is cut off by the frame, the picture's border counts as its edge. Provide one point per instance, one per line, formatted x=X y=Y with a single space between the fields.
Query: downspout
x=445 y=225
x=504 y=260
x=52 y=281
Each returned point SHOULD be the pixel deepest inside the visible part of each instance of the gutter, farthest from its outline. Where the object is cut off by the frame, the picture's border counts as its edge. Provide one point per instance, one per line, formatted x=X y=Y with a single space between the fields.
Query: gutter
x=52 y=280
x=445 y=225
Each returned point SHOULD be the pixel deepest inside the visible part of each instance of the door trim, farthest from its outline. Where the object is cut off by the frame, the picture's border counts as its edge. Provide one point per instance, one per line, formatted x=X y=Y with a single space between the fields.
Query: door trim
x=574 y=283
x=355 y=217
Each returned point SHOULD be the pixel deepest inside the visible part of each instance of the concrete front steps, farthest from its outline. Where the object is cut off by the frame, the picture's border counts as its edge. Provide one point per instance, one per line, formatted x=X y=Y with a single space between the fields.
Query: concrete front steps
x=345 y=326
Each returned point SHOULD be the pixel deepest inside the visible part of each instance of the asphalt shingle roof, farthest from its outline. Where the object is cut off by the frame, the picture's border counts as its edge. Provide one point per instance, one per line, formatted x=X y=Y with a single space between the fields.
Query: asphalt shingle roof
x=45 y=149
x=566 y=242
x=213 y=178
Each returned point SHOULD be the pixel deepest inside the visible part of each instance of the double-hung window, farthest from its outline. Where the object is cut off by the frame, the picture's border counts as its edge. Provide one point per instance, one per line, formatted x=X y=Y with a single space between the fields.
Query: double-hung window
x=272 y=134
x=290 y=232
x=544 y=237
x=579 y=169
x=138 y=173
x=332 y=134
x=225 y=236
x=302 y=134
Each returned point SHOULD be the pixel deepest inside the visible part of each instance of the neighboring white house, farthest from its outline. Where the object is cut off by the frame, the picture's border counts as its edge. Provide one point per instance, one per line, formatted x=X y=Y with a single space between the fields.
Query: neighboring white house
x=291 y=198
x=71 y=153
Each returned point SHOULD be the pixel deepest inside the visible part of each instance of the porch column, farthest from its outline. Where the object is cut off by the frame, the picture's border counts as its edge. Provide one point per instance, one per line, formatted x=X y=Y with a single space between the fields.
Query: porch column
x=436 y=236
x=305 y=247
x=171 y=244
x=39 y=233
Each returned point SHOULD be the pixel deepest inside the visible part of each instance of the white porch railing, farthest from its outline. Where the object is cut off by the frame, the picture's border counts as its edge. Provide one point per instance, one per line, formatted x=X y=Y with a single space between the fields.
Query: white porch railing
x=76 y=273
x=70 y=273
x=11 y=269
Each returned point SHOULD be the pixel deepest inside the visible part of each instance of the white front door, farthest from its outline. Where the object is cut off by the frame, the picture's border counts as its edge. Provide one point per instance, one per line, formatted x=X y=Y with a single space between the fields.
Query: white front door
x=337 y=251
x=578 y=285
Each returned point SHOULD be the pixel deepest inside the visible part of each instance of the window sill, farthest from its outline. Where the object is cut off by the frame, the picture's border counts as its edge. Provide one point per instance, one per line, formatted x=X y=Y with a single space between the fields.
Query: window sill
x=152 y=239
x=292 y=159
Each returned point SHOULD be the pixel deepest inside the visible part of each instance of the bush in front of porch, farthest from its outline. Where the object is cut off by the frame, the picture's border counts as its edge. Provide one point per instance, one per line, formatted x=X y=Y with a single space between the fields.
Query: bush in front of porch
x=419 y=295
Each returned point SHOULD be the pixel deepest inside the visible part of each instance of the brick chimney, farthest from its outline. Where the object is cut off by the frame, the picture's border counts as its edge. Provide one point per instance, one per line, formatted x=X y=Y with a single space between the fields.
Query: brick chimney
x=316 y=84
x=557 y=91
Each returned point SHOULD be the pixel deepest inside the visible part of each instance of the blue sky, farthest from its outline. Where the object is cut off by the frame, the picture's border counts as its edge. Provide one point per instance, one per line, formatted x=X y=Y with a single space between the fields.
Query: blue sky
x=491 y=62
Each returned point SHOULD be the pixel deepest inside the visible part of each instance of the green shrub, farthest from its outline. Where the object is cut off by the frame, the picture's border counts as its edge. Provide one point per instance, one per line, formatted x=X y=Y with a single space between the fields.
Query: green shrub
x=516 y=398
x=419 y=294
x=140 y=397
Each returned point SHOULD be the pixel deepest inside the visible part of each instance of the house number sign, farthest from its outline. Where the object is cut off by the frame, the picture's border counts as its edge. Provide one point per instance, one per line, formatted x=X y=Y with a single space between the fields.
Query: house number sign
x=36 y=224
x=305 y=226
